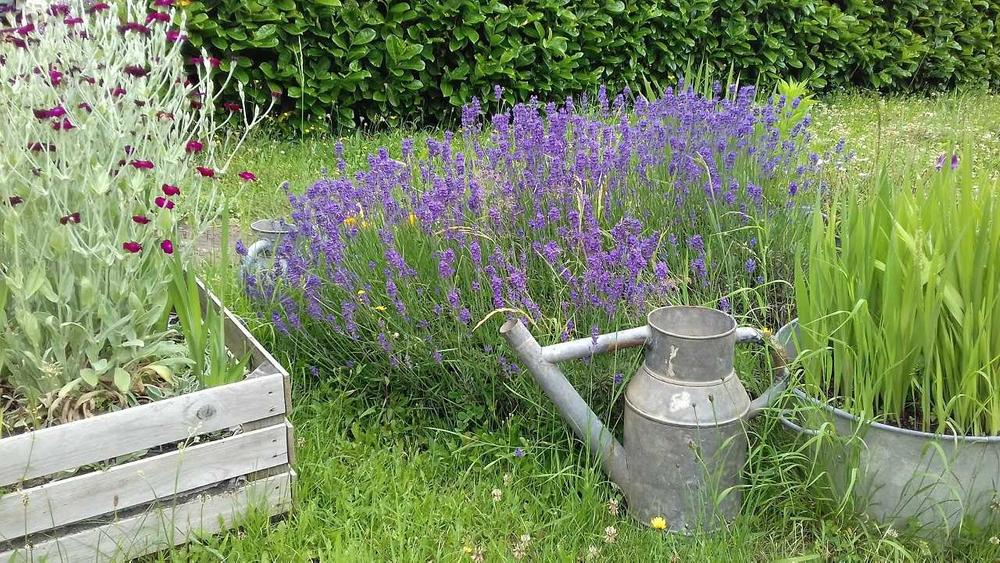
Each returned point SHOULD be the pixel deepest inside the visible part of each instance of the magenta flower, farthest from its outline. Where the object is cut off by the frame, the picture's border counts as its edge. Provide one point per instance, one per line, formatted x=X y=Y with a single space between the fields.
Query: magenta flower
x=132 y=246
x=71 y=21
x=64 y=125
x=129 y=149
x=118 y=91
x=163 y=3
x=164 y=116
x=275 y=94
x=55 y=77
x=25 y=29
x=196 y=60
x=134 y=26
x=85 y=107
x=157 y=17
x=170 y=190
x=193 y=146
x=167 y=247
x=163 y=203
x=136 y=71
x=14 y=200
x=205 y=171
x=142 y=164
x=140 y=219
x=175 y=35
x=98 y=7
x=57 y=111
x=247 y=176
x=58 y=10
x=232 y=107
x=214 y=62
x=71 y=218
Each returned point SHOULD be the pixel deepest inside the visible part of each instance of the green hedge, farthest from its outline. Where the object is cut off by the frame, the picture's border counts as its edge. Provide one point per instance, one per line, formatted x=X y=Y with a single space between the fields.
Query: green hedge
x=397 y=61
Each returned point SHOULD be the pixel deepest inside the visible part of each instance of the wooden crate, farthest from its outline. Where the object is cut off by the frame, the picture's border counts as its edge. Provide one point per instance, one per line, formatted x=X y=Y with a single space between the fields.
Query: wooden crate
x=211 y=455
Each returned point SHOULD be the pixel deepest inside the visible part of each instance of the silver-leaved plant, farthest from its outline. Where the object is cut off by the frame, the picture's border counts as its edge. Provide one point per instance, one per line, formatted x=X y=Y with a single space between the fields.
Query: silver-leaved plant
x=112 y=144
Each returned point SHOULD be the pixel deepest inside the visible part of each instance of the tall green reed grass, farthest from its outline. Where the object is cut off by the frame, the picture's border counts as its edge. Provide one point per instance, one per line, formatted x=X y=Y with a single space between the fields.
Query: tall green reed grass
x=898 y=296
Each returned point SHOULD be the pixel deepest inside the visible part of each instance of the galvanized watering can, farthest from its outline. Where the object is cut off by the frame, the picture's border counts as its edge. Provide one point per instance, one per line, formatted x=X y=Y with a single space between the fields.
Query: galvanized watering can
x=685 y=410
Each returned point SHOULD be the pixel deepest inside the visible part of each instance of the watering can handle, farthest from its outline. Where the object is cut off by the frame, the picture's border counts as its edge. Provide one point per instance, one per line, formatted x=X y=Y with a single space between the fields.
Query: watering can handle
x=755 y=336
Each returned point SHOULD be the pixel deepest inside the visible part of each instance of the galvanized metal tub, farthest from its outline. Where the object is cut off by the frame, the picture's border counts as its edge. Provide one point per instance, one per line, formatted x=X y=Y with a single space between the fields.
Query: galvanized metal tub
x=932 y=483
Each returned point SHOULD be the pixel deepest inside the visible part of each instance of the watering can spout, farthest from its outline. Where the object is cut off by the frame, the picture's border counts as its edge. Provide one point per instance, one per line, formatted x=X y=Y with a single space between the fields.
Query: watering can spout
x=574 y=410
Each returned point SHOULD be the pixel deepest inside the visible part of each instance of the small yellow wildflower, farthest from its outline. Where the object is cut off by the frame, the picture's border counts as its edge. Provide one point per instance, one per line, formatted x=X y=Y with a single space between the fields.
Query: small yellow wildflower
x=467 y=550
x=380 y=308
x=658 y=523
x=350 y=221
x=365 y=224
x=361 y=292
x=183 y=3
x=413 y=219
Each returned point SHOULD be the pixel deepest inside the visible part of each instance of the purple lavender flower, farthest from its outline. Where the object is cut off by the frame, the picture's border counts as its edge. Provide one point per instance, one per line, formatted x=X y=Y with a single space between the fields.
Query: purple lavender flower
x=724 y=305
x=518 y=452
x=696 y=243
x=618 y=378
x=446 y=263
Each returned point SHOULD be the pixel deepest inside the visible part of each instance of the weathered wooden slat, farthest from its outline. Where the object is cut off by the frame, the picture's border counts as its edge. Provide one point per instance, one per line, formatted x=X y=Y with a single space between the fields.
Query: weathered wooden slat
x=290 y=439
x=140 y=482
x=69 y=446
x=161 y=528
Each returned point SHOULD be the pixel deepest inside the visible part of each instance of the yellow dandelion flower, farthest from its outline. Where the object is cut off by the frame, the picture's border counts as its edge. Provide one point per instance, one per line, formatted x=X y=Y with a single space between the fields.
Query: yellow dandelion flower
x=364 y=224
x=361 y=292
x=351 y=221
x=658 y=523
x=413 y=219
x=467 y=550
x=380 y=308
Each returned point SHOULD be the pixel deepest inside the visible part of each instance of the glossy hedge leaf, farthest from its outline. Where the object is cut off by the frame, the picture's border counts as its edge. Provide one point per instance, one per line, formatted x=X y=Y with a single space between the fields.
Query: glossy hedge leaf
x=412 y=61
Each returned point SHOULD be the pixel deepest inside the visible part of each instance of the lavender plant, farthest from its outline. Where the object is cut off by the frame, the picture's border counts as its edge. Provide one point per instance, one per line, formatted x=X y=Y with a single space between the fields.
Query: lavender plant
x=106 y=177
x=578 y=218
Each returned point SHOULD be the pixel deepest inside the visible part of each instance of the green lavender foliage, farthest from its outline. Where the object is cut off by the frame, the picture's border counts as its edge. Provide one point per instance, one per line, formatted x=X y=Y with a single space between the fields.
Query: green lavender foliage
x=353 y=62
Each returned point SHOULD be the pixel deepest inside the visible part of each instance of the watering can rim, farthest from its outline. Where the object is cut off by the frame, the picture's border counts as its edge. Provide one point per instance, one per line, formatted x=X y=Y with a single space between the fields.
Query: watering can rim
x=271 y=226
x=785 y=335
x=715 y=312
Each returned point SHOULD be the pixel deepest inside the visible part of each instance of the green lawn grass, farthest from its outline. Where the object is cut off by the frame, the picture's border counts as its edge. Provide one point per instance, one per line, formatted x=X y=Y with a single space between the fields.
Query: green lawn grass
x=381 y=482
